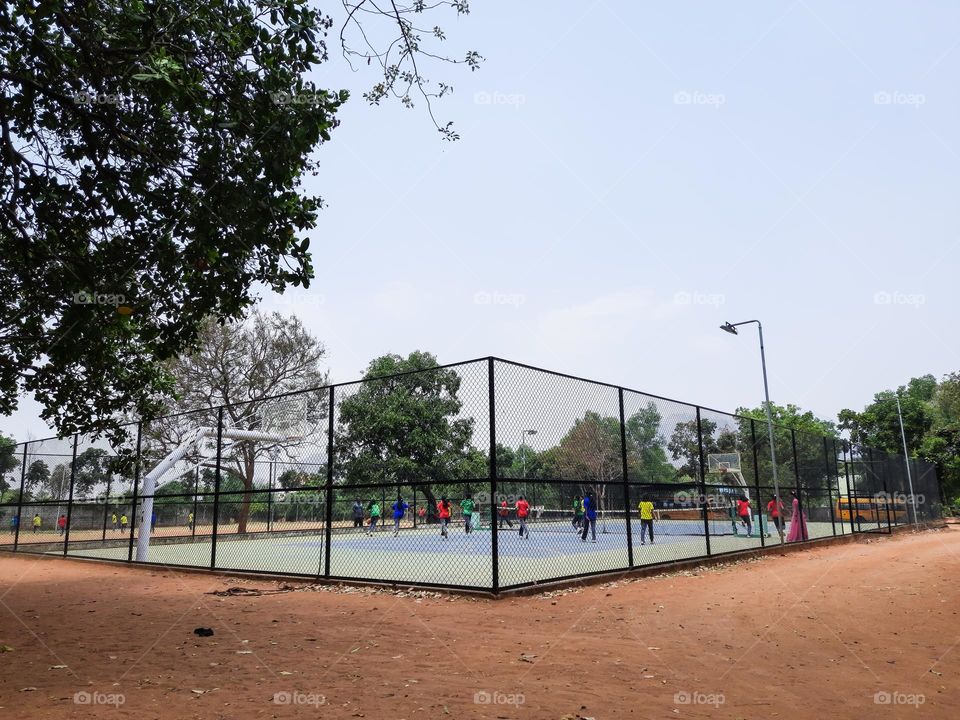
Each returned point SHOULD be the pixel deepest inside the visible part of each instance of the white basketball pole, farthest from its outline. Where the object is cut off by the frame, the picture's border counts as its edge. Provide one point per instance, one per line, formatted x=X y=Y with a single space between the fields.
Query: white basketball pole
x=182 y=450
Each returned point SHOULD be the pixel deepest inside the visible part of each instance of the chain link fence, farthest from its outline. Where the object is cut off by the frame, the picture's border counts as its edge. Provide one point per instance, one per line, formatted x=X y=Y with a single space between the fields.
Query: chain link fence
x=485 y=475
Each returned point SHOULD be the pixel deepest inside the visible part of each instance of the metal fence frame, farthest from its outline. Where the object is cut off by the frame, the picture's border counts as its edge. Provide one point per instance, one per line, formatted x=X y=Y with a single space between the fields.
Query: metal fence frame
x=873 y=468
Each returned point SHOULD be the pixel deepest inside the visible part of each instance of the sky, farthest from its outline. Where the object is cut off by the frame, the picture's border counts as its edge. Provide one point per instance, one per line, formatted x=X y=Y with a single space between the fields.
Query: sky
x=630 y=175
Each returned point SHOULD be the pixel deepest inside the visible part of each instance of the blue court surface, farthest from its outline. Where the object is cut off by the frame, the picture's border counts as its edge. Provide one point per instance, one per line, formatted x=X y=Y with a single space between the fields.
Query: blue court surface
x=554 y=549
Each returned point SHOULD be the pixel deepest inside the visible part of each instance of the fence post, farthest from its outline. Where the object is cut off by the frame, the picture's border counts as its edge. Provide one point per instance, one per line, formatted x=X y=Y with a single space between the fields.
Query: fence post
x=495 y=552
x=626 y=483
x=136 y=489
x=216 y=490
x=756 y=483
x=846 y=471
x=23 y=480
x=73 y=470
x=106 y=508
x=328 y=521
x=703 y=484
x=826 y=462
x=886 y=491
x=196 y=499
x=796 y=474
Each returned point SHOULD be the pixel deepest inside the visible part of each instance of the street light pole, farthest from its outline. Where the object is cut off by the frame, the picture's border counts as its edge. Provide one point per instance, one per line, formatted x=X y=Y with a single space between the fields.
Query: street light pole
x=523 y=456
x=906 y=459
x=732 y=328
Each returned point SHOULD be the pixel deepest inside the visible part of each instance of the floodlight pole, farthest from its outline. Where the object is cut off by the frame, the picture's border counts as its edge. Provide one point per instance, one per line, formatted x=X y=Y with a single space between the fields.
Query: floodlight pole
x=523 y=456
x=732 y=328
x=906 y=459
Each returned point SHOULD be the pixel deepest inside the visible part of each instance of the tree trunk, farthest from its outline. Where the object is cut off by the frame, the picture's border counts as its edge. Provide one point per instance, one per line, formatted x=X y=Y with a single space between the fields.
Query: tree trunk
x=249 y=465
x=431 y=503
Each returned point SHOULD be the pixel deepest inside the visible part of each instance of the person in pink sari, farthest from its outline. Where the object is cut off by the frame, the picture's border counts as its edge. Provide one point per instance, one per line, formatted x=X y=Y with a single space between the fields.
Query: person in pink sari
x=798 y=523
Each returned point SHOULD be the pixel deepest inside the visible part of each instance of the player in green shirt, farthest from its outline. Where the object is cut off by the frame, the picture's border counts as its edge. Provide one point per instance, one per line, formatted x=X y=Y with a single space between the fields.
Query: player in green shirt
x=374 y=516
x=578 y=512
x=467 y=506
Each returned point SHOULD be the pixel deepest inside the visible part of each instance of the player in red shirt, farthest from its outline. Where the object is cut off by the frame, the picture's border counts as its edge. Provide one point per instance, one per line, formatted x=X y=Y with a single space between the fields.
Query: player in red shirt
x=523 y=510
x=743 y=510
x=443 y=511
x=505 y=514
x=775 y=509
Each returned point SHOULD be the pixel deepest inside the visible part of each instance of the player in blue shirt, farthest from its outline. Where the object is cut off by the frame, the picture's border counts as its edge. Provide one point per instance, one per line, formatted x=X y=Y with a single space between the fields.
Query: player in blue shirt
x=399 y=508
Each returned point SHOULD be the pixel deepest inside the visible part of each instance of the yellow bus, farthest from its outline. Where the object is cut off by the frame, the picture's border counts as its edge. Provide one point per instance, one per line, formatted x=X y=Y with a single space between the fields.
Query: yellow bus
x=871 y=510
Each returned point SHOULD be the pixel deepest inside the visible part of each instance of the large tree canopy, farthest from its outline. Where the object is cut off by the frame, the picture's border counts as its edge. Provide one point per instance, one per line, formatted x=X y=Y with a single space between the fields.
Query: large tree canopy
x=407 y=427
x=152 y=163
x=931 y=422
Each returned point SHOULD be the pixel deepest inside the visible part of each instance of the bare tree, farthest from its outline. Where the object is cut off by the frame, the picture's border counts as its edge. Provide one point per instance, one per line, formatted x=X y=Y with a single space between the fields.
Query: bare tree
x=243 y=367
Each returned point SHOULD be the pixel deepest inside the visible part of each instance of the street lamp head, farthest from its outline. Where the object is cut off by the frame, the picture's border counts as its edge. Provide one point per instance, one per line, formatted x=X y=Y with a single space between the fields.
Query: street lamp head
x=729 y=328
x=531 y=432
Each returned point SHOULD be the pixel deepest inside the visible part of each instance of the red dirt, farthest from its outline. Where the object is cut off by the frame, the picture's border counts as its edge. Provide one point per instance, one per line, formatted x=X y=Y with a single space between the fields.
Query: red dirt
x=814 y=634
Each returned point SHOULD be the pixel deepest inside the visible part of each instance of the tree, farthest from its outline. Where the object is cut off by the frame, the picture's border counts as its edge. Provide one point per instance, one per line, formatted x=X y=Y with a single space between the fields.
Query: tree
x=154 y=160
x=684 y=445
x=292 y=479
x=58 y=483
x=812 y=462
x=646 y=457
x=91 y=468
x=37 y=478
x=590 y=453
x=404 y=428
x=878 y=425
x=241 y=366
x=941 y=444
x=9 y=463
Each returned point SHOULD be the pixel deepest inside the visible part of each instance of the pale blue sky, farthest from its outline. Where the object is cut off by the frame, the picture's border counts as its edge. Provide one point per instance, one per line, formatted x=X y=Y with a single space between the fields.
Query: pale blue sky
x=631 y=175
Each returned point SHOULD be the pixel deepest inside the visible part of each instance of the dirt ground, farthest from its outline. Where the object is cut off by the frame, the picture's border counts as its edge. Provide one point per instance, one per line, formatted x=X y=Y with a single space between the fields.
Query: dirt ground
x=866 y=629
